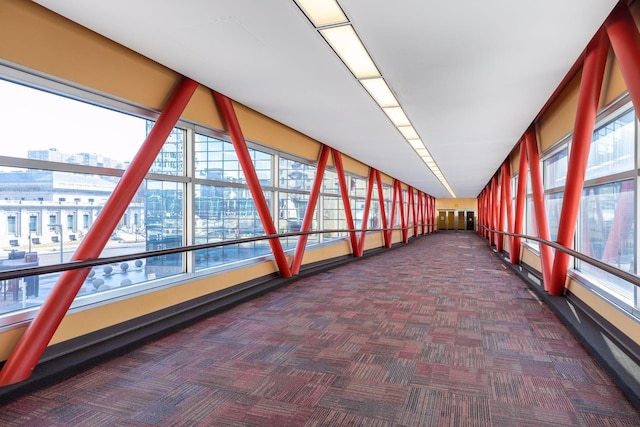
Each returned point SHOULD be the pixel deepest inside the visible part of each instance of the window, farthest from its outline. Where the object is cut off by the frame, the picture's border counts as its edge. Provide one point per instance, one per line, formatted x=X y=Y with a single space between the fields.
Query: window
x=70 y=222
x=11 y=225
x=33 y=223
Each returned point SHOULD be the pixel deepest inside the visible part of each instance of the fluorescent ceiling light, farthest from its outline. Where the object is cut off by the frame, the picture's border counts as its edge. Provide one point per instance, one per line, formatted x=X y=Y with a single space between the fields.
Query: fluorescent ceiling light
x=416 y=143
x=408 y=132
x=380 y=92
x=397 y=116
x=323 y=12
x=349 y=48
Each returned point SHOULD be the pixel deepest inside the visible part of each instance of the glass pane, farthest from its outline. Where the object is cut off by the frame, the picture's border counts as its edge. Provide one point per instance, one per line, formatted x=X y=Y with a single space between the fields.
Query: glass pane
x=612 y=148
x=330 y=182
x=295 y=175
x=553 y=204
x=333 y=217
x=76 y=132
x=164 y=226
x=291 y=211
x=216 y=160
x=227 y=213
x=170 y=160
x=555 y=170
x=607 y=233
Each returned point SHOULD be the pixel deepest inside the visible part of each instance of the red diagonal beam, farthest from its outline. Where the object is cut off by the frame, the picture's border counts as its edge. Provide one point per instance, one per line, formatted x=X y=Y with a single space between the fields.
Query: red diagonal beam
x=537 y=188
x=403 y=220
x=365 y=214
x=393 y=212
x=521 y=200
x=501 y=210
x=590 y=86
x=346 y=204
x=307 y=221
x=412 y=208
x=625 y=41
x=36 y=337
x=492 y=210
x=383 y=214
x=244 y=158
x=506 y=201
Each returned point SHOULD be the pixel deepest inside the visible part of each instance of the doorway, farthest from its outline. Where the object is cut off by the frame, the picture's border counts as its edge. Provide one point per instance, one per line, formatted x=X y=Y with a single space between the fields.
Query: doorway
x=456 y=220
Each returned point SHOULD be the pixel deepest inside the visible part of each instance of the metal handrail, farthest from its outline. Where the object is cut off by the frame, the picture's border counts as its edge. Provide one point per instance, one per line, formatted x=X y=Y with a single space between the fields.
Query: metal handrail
x=74 y=265
x=635 y=280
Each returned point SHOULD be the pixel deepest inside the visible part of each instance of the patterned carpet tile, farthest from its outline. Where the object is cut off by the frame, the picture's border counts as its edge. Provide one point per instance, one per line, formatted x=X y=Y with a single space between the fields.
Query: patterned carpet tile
x=435 y=333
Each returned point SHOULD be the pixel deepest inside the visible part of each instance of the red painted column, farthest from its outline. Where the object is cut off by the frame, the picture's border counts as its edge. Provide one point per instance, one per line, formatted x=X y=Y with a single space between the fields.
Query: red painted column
x=625 y=41
x=383 y=214
x=365 y=214
x=403 y=219
x=240 y=145
x=433 y=214
x=393 y=212
x=344 y=192
x=36 y=337
x=411 y=209
x=537 y=188
x=311 y=207
x=492 y=210
x=506 y=200
x=590 y=85
x=521 y=201
x=500 y=214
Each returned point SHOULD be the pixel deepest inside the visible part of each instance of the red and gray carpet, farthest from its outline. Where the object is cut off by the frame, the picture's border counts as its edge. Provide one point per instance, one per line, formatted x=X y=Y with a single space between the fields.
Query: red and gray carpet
x=437 y=333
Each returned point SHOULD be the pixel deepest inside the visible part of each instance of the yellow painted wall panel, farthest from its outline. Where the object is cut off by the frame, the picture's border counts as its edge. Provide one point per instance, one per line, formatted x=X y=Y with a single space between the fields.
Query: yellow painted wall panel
x=8 y=339
x=457 y=204
x=559 y=119
x=620 y=320
x=37 y=38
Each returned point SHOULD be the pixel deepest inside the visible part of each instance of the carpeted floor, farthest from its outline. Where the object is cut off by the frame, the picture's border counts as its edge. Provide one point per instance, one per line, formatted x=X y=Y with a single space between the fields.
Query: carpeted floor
x=436 y=333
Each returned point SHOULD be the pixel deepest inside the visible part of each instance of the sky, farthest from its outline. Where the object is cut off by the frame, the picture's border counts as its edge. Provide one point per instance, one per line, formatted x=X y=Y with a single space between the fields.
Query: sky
x=31 y=119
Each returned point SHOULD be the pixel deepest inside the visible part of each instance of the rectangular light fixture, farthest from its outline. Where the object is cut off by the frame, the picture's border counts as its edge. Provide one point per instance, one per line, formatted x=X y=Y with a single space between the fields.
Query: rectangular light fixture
x=408 y=132
x=416 y=143
x=380 y=92
x=347 y=45
x=397 y=116
x=323 y=12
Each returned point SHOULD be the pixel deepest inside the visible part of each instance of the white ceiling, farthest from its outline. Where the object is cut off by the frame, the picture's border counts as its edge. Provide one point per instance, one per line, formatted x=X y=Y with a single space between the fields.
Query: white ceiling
x=471 y=75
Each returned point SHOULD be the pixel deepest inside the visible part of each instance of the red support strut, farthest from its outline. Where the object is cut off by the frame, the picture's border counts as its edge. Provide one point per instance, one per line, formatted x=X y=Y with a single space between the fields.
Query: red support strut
x=383 y=214
x=346 y=204
x=36 y=337
x=625 y=41
x=240 y=146
x=590 y=86
x=521 y=200
x=311 y=208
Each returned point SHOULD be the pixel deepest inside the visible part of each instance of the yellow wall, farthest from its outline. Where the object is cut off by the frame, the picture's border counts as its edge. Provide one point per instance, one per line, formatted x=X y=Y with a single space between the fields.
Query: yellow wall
x=457 y=204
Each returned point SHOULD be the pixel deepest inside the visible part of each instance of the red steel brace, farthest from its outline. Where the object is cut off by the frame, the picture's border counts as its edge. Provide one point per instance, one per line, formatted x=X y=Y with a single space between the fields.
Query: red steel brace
x=521 y=200
x=240 y=145
x=590 y=86
x=625 y=41
x=383 y=214
x=311 y=208
x=537 y=188
x=344 y=192
x=33 y=342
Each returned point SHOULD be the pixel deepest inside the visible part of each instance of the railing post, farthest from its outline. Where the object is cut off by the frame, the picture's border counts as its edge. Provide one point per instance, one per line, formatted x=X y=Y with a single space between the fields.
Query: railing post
x=36 y=337
x=239 y=144
x=590 y=86
x=307 y=221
